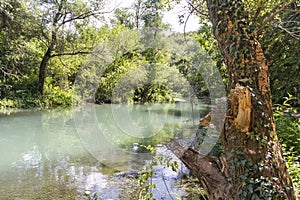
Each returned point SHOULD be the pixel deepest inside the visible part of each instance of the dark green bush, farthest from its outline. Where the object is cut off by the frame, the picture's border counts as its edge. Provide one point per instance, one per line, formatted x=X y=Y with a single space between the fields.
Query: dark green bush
x=288 y=129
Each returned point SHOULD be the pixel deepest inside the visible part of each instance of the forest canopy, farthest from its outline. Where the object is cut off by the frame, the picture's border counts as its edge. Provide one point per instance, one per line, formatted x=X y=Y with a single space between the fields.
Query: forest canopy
x=44 y=43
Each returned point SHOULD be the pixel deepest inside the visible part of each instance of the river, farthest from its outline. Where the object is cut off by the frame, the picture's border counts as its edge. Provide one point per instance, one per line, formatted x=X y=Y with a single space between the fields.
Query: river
x=80 y=152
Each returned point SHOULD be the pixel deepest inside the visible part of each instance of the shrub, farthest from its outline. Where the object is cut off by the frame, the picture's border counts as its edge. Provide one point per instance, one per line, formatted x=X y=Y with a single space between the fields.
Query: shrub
x=288 y=129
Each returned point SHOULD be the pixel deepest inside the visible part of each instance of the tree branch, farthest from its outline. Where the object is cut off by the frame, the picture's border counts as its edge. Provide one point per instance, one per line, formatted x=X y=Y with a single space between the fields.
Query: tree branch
x=6 y=14
x=71 y=53
x=83 y=16
x=291 y=33
x=292 y=10
x=207 y=168
x=273 y=14
x=195 y=8
x=5 y=73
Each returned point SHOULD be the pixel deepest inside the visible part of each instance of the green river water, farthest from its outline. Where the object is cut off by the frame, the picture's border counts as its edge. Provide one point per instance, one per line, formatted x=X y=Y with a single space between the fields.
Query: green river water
x=73 y=153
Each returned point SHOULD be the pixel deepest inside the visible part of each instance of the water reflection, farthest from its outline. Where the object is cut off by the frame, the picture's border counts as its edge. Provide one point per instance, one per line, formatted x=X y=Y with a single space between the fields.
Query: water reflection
x=43 y=157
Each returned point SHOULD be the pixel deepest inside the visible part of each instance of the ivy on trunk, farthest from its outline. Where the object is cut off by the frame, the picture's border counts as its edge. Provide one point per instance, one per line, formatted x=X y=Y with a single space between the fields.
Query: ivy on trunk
x=252 y=164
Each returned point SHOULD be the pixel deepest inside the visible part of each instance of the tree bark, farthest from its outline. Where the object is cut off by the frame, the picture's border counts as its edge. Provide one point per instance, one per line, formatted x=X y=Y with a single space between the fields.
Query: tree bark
x=50 y=48
x=208 y=169
x=252 y=165
x=42 y=71
x=47 y=56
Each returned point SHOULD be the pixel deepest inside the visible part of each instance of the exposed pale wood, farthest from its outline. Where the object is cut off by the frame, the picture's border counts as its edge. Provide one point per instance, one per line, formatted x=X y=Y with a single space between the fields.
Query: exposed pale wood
x=206 y=120
x=249 y=110
x=241 y=97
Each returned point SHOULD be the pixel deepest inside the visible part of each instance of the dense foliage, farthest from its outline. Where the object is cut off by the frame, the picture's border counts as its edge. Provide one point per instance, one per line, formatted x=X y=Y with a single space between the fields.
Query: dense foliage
x=42 y=51
x=288 y=127
x=281 y=43
x=45 y=43
x=24 y=36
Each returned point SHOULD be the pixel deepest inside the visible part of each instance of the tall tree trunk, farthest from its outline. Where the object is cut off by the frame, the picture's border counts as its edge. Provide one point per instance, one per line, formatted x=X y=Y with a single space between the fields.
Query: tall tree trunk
x=252 y=165
x=42 y=70
x=44 y=63
x=50 y=48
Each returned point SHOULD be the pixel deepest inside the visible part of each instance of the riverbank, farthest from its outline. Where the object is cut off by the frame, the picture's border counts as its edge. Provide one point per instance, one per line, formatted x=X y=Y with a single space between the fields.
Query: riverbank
x=35 y=142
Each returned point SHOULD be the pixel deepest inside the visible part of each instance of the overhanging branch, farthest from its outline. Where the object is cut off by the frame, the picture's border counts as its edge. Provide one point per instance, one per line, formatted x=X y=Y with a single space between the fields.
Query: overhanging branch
x=71 y=53
x=83 y=16
x=207 y=168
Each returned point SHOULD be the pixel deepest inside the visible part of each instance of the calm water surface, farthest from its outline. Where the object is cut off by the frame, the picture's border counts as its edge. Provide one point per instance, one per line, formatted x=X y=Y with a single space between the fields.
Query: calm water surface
x=67 y=154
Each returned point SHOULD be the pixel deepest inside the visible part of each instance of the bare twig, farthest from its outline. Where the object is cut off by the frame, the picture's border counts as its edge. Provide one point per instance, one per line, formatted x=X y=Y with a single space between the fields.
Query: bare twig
x=71 y=53
x=269 y=17
x=85 y=16
x=291 y=33
x=196 y=8
x=8 y=73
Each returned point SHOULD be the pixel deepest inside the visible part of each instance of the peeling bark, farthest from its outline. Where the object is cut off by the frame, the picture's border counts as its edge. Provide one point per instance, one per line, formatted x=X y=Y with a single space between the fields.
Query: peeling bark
x=251 y=148
x=240 y=99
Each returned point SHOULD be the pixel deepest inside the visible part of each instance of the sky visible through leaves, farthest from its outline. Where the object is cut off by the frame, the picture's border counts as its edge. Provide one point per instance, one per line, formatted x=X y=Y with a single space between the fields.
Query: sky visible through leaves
x=170 y=17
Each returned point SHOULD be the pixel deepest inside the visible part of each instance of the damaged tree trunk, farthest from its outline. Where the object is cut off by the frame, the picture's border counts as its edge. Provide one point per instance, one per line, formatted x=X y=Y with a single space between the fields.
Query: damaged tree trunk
x=252 y=164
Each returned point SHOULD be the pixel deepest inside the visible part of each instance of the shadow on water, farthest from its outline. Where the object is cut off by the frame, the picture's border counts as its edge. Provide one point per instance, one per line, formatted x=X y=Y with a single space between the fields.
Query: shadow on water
x=44 y=157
